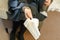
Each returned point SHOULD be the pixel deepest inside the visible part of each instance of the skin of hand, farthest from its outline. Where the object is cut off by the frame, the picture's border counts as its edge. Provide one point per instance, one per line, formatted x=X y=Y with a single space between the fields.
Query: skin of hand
x=47 y=2
x=28 y=12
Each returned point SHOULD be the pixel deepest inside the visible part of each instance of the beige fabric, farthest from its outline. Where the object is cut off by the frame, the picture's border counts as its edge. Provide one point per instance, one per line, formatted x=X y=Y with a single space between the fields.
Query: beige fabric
x=3 y=8
x=3 y=5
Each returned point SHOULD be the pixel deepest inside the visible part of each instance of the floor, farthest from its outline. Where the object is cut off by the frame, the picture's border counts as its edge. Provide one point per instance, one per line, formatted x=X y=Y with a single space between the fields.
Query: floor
x=50 y=29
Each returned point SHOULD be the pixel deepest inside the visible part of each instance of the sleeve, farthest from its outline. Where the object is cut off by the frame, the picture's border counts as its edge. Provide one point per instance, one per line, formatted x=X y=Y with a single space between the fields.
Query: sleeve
x=13 y=3
x=42 y=10
x=40 y=5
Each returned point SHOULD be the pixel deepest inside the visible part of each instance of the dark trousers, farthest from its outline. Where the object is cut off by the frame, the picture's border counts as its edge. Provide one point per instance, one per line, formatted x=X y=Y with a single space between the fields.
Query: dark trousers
x=16 y=25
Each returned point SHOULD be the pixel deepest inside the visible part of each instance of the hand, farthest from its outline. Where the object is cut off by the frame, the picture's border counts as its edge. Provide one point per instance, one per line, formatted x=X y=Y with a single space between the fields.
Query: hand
x=28 y=12
x=47 y=2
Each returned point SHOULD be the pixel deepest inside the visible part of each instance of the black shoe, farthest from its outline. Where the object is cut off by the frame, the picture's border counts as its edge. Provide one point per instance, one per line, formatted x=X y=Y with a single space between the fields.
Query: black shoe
x=12 y=36
x=21 y=37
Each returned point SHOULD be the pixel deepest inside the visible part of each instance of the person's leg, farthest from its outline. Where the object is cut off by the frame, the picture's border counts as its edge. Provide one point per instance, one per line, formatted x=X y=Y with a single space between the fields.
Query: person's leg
x=22 y=31
x=14 y=29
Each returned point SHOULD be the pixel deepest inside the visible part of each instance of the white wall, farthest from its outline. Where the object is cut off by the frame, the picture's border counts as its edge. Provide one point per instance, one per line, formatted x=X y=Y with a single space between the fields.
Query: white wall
x=55 y=6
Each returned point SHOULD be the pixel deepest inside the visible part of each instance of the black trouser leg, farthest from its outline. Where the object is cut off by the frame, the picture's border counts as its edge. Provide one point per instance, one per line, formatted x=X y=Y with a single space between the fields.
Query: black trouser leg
x=14 y=29
x=22 y=31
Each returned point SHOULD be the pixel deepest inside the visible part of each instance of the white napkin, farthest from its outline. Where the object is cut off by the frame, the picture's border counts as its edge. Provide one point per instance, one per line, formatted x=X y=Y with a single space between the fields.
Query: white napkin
x=32 y=26
x=55 y=6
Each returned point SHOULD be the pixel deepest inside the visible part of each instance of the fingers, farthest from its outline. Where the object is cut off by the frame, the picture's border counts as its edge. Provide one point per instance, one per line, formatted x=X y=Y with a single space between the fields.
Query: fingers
x=28 y=13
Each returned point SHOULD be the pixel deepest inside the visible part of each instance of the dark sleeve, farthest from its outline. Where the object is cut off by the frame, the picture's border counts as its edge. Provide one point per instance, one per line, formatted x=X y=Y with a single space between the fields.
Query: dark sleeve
x=40 y=5
x=37 y=7
x=42 y=9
